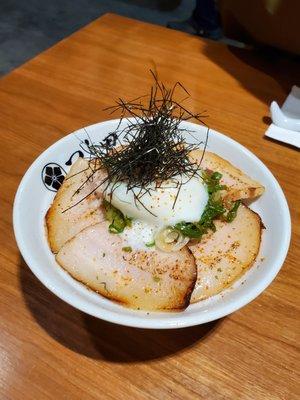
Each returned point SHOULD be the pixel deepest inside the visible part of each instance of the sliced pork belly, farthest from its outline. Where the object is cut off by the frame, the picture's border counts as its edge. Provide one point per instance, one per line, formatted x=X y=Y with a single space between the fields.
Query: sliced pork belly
x=140 y=279
x=223 y=256
x=62 y=225
x=240 y=185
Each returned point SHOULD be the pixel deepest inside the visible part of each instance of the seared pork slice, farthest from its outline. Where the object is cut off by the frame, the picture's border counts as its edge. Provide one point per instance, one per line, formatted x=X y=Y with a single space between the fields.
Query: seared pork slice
x=240 y=185
x=223 y=256
x=62 y=225
x=140 y=279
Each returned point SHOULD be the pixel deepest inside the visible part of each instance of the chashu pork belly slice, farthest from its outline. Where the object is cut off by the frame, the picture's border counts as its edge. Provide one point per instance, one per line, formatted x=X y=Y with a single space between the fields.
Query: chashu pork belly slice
x=64 y=222
x=240 y=185
x=140 y=279
x=223 y=256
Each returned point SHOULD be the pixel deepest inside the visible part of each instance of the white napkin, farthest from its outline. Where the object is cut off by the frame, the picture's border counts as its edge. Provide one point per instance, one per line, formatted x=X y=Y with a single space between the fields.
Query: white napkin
x=284 y=135
x=286 y=121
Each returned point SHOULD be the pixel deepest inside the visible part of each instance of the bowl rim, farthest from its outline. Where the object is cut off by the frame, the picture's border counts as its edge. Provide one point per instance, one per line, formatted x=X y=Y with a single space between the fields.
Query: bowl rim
x=138 y=320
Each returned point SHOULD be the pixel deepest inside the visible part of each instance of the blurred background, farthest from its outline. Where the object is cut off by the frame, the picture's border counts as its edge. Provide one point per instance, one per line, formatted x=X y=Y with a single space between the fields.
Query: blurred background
x=28 y=27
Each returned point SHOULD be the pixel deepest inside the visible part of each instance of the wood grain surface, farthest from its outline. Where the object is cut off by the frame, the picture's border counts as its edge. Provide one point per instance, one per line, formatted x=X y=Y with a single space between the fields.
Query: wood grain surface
x=49 y=350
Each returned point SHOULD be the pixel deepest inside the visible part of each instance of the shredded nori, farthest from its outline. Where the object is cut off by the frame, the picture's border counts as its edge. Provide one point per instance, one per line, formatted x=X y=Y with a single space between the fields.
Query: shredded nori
x=151 y=149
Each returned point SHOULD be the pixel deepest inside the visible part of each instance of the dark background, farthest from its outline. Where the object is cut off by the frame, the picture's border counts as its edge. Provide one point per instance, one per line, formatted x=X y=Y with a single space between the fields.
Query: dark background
x=28 y=27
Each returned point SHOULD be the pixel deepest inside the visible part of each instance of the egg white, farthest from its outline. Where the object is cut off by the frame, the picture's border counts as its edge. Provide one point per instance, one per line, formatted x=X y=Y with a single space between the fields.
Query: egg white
x=164 y=205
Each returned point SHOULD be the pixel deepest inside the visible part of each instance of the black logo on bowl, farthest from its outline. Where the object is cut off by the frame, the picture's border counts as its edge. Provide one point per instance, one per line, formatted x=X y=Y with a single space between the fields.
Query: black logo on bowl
x=109 y=141
x=53 y=176
x=70 y=160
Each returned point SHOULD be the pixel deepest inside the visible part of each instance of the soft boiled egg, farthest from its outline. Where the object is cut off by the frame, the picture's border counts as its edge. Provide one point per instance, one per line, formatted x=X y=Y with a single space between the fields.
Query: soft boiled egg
x=181 y=198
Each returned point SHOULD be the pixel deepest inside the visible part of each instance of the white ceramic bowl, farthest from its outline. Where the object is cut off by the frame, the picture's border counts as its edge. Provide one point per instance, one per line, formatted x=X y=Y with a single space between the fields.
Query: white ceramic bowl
x=33 y=199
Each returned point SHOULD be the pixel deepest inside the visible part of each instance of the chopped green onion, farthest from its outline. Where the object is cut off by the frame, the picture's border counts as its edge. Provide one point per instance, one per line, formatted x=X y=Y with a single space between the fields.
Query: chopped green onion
x=150 y=244
x=189 y=229
x=233 y=211
x=128 y=221
x=118 y=222
x=128 y=249
x=213 y=209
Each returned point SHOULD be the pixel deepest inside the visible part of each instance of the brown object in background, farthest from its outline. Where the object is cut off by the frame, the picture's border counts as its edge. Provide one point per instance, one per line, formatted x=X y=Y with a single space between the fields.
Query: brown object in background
x=274 y=23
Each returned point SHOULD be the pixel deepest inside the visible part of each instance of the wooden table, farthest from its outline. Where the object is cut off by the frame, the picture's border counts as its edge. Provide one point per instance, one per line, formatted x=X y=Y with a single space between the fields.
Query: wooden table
x=49 y=350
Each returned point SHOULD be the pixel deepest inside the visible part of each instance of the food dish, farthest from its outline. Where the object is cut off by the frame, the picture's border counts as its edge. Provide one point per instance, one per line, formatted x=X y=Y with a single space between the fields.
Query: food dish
x=33 y=200
x=83 y=225
x=149 y=221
